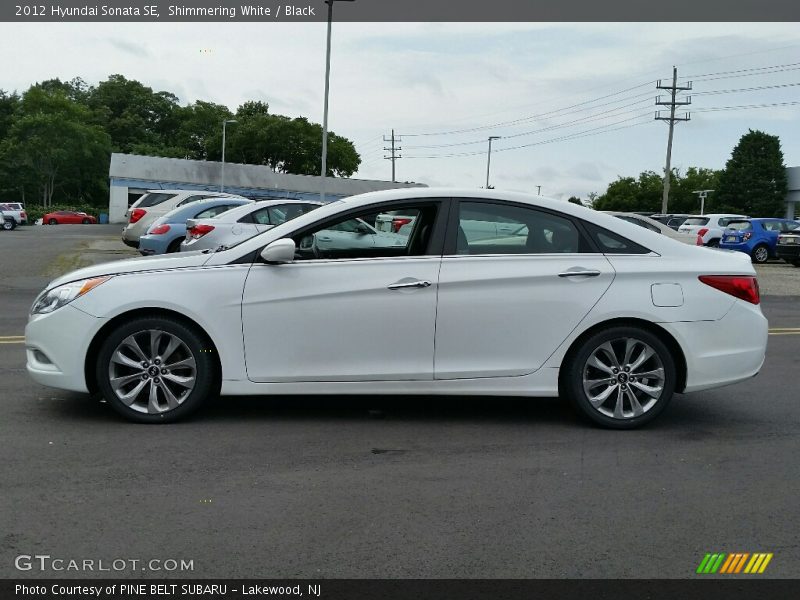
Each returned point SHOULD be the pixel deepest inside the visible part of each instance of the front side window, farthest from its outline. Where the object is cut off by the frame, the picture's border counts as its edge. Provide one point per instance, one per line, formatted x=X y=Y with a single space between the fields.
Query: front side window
x=354 y=237
x=492 y=228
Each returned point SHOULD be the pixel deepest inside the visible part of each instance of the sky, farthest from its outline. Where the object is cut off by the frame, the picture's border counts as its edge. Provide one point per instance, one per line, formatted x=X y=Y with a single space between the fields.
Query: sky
x=446 y=87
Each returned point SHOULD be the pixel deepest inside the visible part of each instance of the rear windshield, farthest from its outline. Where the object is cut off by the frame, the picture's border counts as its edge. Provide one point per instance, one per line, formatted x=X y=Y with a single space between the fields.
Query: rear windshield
x=740 y=225
x=153 y=199
x=696 y=221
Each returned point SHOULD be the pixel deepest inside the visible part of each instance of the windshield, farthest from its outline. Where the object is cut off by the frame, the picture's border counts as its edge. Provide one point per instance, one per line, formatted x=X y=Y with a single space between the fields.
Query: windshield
x=153 y=199
x=696 y=221
x=740 y=225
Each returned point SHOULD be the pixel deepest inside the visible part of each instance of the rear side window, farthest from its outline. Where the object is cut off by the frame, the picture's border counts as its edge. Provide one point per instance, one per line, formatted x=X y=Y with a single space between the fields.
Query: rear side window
x=153 y=199
x=493 y=228
x=195 y=198
x=696 y=221
x=723 y=221
x=612 y=243
x=771 y=225
x=639 y=222
x=740 y=225
x=212 y=212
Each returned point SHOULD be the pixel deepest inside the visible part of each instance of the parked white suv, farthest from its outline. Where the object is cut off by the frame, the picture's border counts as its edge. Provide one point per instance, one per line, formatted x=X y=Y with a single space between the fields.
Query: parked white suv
x=708 y=228
x=15 y=211
x=157 y=203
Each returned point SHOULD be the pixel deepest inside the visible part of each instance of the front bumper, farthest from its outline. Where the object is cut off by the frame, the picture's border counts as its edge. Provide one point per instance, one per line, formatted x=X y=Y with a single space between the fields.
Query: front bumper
x=56 y=345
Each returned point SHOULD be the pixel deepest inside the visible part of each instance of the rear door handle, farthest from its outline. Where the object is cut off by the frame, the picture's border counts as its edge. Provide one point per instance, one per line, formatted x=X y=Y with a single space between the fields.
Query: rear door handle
x=408 y=284
x=580 y=273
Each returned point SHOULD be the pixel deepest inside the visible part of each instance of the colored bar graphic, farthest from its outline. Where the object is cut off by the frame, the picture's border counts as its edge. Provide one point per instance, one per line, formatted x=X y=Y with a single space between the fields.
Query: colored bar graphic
x=720 y=562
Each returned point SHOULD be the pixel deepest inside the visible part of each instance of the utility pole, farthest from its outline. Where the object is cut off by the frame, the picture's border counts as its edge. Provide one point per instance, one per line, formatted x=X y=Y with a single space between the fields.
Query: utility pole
x=489 y=158
x=538 y=190
x=703 y=194
x=224 y=132
x=673 y=102
x=393 y=149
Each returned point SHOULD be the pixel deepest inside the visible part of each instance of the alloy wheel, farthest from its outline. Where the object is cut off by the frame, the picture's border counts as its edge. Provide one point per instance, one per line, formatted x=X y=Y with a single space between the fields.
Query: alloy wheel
x=760 y=254
x=623 y=378
x=152 y=371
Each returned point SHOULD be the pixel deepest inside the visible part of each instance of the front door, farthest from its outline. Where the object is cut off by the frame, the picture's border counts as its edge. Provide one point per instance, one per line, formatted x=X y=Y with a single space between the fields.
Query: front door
x=345 y=309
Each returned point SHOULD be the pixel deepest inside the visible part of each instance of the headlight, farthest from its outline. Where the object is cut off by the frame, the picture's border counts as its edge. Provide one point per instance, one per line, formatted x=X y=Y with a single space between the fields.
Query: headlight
x=50 y=300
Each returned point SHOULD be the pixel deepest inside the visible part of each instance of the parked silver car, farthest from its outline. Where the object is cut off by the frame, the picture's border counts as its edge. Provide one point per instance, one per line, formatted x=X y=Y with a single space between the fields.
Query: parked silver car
x=236 y=225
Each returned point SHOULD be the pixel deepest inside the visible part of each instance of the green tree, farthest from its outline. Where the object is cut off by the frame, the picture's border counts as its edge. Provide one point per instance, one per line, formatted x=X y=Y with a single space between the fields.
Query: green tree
x=682 y=198
x=754 y=180
x=200 y=130
x=51 y=148
x=575 y=200
x=134 y=115
x=630 y=195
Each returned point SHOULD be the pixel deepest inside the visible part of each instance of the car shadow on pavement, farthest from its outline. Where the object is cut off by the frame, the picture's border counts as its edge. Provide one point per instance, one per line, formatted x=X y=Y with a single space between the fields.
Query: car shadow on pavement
x=692 y=417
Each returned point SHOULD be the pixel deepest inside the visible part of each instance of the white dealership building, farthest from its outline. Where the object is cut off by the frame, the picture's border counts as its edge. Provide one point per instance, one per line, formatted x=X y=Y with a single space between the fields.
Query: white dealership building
x=131 y=175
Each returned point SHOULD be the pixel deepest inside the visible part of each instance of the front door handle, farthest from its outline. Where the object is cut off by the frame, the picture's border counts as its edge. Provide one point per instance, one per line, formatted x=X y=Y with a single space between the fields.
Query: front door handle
x=408 y=284
x=580 y=273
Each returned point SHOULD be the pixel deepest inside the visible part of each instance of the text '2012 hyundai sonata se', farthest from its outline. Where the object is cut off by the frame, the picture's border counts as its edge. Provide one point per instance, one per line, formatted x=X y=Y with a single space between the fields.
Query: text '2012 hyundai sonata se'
x=487 y=293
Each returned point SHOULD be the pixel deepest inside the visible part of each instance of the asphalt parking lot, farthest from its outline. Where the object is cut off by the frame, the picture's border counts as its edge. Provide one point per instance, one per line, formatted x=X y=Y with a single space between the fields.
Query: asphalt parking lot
x=392 y=487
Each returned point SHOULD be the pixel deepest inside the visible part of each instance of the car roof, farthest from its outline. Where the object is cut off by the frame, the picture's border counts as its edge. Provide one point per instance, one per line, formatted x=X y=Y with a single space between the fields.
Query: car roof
x=240 y=211
x=198 y=206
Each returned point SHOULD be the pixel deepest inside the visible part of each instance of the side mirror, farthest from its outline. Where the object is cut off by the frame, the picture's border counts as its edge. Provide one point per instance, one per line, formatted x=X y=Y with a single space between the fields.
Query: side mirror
x=279 y=251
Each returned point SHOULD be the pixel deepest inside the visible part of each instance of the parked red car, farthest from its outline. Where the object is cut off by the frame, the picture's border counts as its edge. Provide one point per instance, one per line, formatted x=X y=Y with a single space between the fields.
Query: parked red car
x=66 y=217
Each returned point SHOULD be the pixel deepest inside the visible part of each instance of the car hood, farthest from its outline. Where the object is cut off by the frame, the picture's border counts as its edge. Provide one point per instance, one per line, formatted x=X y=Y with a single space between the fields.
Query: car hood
x=135 y=265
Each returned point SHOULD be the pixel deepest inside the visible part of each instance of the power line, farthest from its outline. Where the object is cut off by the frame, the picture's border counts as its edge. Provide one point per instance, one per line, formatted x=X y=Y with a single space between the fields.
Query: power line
x=527 y=118
x=606 y=114
x=745 y=106
x=585 y=133
x=743 y=70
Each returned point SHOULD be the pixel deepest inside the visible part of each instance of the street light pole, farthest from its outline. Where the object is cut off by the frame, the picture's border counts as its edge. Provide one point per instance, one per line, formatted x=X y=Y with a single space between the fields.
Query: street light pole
x=222 y=175
x=703 y=194
x=324 y=169
x=489 y=158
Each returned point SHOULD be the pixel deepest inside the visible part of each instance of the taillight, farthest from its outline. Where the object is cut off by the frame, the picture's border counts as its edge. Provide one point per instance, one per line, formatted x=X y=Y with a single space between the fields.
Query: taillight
x=747 y=235
x=700 y=234
x=398 y=223
x=23 y=214
x=160 y=229
x=744 y=287
x=136 y=214
x=199 y=231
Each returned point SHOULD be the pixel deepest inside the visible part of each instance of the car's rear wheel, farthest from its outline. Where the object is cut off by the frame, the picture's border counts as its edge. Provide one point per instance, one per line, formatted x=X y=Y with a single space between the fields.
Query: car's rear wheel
x=52 y=222
x=713 y=244
x=174 y=246
x=9 y=224
x=621 y=377
x=796 y=263
x=760 y=254
x=156 y=370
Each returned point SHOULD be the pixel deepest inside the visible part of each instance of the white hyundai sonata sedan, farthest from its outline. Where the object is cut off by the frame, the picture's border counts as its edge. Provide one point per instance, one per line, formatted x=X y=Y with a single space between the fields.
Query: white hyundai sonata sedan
x=490 y=293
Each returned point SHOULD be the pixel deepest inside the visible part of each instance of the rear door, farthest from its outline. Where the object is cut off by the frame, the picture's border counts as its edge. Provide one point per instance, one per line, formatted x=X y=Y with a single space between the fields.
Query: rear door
x=507 y=302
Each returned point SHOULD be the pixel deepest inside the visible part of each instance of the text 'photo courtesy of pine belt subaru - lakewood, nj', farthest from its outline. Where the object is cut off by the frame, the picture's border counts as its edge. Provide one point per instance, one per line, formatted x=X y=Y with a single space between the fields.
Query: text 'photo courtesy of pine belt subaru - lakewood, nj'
x=494 y=293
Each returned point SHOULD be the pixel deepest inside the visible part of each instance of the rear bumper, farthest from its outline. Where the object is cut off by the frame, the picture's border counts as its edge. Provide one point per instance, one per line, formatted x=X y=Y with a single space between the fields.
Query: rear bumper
x=722 y=352
x=788 y=252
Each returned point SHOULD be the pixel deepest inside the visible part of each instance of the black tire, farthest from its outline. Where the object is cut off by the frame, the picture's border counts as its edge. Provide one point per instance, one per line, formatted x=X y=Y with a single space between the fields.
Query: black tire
x=760 y=254
x=52 y=222
x=9 y=224
x=174 y=246
x=713 y=244
x=86 y=222
x=206 y=382
x=572 y=381
x=795 y=263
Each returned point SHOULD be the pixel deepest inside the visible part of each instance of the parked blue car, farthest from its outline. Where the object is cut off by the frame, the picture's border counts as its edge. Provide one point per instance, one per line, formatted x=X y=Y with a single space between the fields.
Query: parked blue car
x=166 y=233
x=756 y=237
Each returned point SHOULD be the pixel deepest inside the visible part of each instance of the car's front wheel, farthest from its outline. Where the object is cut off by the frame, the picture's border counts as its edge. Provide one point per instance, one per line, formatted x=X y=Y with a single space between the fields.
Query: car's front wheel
x=620 y=377
x=52 y=222
x=156 y=370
